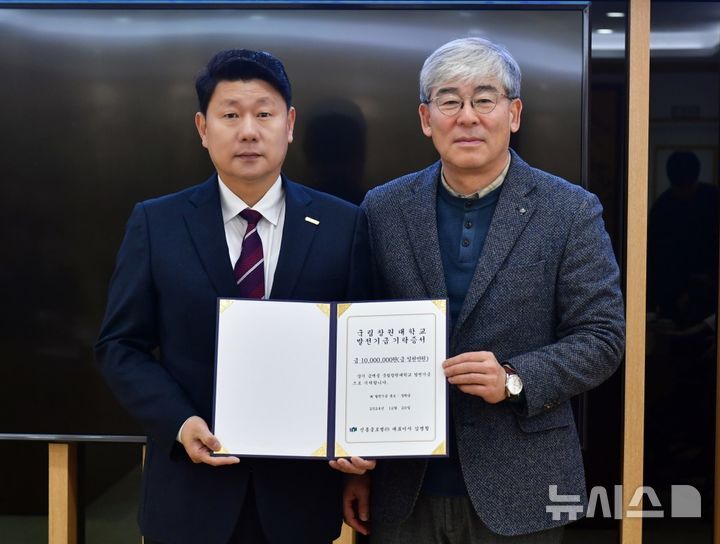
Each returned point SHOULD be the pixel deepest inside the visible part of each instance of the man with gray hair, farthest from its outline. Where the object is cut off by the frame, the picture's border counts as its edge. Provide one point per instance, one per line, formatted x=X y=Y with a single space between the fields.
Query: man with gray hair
x=537 y=315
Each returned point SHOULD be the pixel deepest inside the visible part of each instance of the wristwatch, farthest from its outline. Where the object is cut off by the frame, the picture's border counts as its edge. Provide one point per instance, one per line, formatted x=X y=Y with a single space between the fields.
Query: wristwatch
x=513 y=383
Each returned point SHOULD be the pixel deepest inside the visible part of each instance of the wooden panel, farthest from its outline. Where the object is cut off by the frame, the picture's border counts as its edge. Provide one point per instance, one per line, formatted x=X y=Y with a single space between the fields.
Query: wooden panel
x=638 y=51
x=62 y=494
x=347 y=536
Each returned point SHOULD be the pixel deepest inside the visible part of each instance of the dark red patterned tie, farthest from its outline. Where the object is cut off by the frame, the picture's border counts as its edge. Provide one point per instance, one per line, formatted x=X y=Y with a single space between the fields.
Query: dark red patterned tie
x=249 y=269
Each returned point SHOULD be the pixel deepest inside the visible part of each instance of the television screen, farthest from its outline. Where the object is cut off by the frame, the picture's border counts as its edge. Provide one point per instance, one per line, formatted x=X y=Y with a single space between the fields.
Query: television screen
x=98 y=106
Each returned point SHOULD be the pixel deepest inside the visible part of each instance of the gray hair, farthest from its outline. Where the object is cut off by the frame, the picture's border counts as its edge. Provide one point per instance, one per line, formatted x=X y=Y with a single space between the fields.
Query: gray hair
x=466 y=59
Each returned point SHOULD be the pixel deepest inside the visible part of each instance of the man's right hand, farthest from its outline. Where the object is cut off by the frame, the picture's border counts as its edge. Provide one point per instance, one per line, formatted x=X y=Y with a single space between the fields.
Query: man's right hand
x=356 y=502
x=199 y=443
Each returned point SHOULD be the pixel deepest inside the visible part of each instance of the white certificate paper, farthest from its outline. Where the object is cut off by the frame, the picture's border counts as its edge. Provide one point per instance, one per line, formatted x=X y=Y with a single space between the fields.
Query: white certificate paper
x=326 y=380
x=390 y=385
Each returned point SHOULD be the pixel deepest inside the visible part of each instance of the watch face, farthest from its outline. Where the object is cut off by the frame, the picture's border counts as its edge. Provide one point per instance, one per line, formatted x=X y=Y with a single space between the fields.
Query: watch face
x=513 y=384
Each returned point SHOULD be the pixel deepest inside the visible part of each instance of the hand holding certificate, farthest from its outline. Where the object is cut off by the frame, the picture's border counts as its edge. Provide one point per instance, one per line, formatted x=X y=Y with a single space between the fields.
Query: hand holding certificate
x=299 y=379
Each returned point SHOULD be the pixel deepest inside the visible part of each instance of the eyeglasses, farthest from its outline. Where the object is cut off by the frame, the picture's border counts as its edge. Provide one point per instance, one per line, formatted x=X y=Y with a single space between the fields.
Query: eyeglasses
x=482 y=102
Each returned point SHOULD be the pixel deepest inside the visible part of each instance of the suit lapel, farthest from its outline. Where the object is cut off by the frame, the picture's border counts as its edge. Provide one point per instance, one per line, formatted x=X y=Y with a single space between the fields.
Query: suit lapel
x=419 y=212
x=205 y=223
x=296 y=239
x=512 y=214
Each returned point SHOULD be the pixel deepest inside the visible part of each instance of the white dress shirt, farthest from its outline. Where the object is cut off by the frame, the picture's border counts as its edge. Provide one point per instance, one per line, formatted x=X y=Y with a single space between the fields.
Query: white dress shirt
x=270 y=227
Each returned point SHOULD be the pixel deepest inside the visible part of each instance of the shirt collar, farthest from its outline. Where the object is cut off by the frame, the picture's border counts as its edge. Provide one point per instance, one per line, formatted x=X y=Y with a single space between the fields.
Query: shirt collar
x=270 y=205
x=497 y=182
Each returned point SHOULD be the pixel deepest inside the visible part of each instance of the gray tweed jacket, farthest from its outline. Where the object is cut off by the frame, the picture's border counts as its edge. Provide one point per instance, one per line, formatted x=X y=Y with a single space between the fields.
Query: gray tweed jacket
x=545 y=298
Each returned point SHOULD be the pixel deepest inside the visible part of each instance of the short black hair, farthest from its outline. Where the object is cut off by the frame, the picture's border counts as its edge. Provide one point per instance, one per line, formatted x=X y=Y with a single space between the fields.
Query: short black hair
x=241 y=64
x=682 y=168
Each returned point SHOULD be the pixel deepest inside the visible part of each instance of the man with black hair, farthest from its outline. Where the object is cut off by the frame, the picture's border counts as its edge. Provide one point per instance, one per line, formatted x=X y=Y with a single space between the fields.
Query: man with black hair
x=250 y=232
x=683 y=244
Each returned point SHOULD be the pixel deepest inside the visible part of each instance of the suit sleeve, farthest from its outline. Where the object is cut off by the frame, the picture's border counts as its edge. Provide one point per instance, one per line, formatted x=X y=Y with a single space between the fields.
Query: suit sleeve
x=373 y=280
x=129 y=337
x=359 y=282
x=590 y=319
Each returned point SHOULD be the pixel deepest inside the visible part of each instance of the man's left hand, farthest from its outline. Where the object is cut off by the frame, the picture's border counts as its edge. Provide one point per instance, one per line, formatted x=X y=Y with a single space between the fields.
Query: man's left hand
x=354 y=465
x=477 y=373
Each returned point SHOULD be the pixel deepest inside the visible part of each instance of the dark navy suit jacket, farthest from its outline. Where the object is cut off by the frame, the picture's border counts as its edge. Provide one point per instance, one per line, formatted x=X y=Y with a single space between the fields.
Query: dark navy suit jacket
x=157 y=350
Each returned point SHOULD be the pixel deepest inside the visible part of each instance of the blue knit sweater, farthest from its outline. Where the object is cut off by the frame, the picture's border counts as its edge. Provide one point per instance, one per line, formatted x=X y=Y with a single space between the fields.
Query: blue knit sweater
x=463 y=224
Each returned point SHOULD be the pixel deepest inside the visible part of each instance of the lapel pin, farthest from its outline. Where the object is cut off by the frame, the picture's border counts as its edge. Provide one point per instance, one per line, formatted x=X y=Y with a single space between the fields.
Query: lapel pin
x=311 y=220
x=521 y=210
